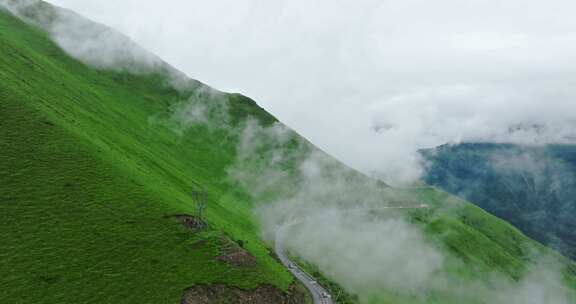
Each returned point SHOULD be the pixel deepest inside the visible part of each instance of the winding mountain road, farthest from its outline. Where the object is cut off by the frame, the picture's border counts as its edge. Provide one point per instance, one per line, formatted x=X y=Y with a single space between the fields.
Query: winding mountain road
x=320 y=294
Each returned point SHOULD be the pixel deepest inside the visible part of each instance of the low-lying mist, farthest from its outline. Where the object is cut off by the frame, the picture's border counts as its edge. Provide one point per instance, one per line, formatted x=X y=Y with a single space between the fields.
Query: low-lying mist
x=90 y=42
x=337 y=220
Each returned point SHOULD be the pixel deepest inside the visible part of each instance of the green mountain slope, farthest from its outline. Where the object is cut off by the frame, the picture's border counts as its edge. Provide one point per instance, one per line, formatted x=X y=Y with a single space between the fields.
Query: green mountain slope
x=87 y=184
x=94 y=167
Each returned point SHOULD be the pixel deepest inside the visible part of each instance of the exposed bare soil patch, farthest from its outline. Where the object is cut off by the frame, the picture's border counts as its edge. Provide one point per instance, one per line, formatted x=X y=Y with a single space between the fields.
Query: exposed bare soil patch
x=235 y=255
x=222 y=294
x=240 y=258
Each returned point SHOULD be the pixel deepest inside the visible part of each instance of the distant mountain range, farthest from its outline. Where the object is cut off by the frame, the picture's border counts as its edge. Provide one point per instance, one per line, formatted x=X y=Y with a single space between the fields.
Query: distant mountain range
x=532 y=187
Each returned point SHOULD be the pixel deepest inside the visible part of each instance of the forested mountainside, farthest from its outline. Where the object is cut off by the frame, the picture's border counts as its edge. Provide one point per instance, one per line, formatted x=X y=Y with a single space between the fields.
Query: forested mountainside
x=532 y=187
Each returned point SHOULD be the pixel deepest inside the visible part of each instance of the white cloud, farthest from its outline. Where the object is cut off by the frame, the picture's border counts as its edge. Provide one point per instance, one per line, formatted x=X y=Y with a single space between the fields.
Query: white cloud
x=422 y=72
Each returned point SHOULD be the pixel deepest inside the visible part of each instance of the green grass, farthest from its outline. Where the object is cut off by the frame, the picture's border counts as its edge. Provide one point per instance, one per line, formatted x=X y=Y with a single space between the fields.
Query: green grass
x=87 y=183
x=91 y=171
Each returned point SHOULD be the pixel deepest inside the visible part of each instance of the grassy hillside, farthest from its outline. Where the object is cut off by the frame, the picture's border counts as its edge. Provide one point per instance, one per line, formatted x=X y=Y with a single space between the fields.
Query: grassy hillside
x=93 y=170
x=88 y=185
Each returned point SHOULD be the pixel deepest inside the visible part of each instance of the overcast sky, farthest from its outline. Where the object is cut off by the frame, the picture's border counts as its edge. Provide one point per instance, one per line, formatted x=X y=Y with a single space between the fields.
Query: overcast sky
x=370 y=81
